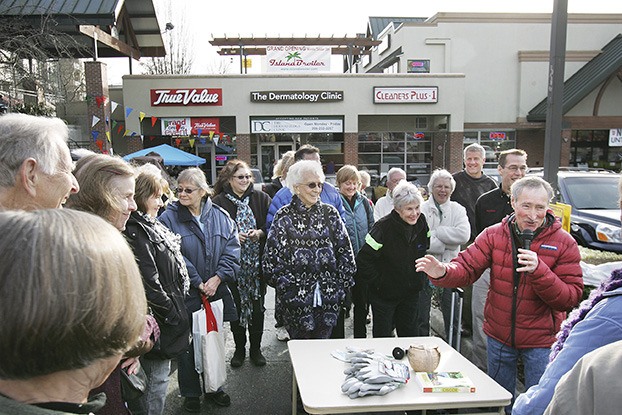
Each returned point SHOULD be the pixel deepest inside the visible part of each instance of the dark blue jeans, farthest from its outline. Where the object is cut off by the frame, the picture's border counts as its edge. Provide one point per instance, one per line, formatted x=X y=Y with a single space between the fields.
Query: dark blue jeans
x=400 y=315
x=502 y=365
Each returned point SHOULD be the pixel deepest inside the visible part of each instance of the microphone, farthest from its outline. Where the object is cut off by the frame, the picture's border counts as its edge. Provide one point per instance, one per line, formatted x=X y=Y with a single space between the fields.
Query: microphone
x=527 y=237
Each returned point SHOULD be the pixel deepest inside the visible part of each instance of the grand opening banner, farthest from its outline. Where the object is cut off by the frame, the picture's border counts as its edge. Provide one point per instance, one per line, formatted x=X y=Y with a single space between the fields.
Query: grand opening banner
x=299 y=59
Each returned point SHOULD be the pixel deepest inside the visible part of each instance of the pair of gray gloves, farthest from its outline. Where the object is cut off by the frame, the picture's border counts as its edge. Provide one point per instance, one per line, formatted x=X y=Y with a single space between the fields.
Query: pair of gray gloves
x=372 y=374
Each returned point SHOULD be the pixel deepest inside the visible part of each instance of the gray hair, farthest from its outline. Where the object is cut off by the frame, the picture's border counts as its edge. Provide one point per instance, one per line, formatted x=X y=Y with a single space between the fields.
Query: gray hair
x=365 y=177
x=301 y=169
x=195 y=176
x=72 y=292
x=441 y=174
x=531 y=182
x=394 y=170
x=25 y=136
x=405 y=193
x=473 y=148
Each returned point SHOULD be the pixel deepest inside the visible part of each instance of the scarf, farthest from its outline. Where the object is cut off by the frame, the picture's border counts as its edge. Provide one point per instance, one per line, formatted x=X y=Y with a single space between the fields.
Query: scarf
x=172 y=242
x=248 y=278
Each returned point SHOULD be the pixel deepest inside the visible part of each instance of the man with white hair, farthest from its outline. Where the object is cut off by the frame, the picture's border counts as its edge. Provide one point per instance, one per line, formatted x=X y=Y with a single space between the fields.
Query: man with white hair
x=35 y=164
x=384 y=205
x=535 y=277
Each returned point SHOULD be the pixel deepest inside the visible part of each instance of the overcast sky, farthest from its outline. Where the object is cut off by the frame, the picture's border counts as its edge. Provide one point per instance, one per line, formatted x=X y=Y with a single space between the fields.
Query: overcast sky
x=202 y=19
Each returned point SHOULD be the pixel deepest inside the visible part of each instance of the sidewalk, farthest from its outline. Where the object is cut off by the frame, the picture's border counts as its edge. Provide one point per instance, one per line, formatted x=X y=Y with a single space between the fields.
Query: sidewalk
x=266 y=390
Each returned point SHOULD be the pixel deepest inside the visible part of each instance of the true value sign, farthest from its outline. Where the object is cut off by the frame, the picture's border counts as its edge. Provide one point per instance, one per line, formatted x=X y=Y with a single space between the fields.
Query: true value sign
x=405 y=95
x=186 y=97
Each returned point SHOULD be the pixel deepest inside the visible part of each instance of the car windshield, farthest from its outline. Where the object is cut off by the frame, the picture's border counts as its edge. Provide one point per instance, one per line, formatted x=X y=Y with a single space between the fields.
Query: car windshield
x=593 y=192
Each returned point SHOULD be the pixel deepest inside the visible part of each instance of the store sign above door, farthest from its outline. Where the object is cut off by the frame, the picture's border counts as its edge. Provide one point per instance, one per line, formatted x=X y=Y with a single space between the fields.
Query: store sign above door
x=405 y=95
x=296 y=125
x=186 y=97
x=296 y=96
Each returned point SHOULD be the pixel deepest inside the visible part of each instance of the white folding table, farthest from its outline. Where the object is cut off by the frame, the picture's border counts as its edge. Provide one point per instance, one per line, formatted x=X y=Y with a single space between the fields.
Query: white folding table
x=318 y=376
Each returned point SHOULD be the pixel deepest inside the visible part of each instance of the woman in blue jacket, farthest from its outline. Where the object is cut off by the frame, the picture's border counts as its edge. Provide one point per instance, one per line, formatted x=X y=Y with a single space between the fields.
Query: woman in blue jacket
x=359 y=218
x=210 y=245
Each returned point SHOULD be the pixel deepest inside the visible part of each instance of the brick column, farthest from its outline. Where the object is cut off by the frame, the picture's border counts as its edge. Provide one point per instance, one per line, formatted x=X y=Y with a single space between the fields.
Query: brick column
x=243 y=147
x=96 y=88
x=351 y=149
x=455 y=154
x=447 y=151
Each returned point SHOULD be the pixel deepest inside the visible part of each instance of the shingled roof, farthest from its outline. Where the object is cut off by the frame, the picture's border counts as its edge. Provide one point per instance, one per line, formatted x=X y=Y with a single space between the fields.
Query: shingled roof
x=118 y=23
x=585 y=80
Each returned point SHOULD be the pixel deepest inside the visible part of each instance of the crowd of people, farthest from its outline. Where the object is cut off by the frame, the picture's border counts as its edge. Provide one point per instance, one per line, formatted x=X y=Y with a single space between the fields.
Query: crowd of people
x=130 y=270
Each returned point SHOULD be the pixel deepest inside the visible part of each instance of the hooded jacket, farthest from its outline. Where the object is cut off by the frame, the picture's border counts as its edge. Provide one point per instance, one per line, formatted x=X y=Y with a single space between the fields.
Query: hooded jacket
x=358 y=219
x=387 y=260
x=213 y=252
x=522 y=310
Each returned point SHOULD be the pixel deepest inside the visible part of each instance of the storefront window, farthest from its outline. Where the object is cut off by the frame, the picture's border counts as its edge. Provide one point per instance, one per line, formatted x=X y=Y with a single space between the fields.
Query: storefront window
x=494 y=142
x=590 y=149
x=406 y=150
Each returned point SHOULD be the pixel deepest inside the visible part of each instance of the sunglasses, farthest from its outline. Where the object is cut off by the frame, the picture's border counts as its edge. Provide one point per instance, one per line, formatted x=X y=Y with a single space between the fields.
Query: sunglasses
x=242 y=177
x=187 y=190
x=313 y=185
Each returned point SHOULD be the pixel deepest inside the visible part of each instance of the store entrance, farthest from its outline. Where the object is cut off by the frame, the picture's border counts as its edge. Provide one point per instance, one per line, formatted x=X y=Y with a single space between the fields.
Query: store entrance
x=269 y=154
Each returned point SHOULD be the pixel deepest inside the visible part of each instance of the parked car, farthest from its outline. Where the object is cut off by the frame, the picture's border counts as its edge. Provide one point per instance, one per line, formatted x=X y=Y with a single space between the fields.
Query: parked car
x=376 y=192
x=595 y=217
x=257 y=179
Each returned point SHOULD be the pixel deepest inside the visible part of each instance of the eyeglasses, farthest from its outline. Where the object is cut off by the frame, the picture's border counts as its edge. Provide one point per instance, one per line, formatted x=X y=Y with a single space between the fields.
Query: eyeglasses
x=187 y=190
x=243 y=176
x=514 y=169
x=313 y=185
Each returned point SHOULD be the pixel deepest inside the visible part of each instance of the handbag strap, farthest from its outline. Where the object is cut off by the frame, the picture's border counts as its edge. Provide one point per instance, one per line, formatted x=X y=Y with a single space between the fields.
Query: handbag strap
x=210 y=319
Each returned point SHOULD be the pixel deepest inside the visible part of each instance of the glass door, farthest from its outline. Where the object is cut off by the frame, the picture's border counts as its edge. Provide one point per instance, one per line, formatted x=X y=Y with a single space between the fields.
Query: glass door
x=269 y=154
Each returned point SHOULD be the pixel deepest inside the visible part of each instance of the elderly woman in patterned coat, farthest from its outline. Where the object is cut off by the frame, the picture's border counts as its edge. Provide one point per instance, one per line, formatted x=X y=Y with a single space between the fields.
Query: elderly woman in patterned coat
x=308 y=257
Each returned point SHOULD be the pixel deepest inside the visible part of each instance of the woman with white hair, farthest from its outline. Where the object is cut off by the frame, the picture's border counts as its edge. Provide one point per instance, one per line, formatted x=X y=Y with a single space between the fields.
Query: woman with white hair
x=449 y=228
x=387 y=263
x=308 y=257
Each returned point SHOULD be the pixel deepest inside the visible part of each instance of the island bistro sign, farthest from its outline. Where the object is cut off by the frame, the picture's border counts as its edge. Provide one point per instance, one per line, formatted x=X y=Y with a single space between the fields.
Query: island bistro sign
x=405 y=95
x=296 y=96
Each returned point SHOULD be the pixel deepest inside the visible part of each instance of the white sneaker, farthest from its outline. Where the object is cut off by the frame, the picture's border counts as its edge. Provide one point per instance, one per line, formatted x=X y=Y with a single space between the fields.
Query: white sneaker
x=282 y=334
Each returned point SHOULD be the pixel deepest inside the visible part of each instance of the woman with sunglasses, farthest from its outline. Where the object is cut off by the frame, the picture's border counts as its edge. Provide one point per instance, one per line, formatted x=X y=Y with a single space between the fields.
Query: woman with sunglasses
x=210 y=245
x=308 y=257
x=234 y=192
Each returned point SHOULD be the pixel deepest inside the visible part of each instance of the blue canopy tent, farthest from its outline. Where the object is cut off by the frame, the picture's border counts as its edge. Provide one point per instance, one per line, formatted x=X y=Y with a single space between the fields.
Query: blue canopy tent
x=171 y=156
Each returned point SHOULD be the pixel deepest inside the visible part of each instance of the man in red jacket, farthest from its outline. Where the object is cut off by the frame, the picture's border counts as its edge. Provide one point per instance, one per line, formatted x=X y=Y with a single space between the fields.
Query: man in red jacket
x=535 y=278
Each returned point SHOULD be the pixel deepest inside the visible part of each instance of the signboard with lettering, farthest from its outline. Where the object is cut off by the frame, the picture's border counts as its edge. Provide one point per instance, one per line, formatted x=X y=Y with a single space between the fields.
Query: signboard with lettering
x=615 y=137
x=497 y=135
x=186 y=97
x=406 y=95
x=296 y=125
x=205 y=125
x=418 y=66
x=176 y=126
x=304 y=58
x=296 y=96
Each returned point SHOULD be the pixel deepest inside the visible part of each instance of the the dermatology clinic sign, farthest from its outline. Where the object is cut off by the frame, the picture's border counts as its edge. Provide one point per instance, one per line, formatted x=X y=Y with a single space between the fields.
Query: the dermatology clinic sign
x=296 y=96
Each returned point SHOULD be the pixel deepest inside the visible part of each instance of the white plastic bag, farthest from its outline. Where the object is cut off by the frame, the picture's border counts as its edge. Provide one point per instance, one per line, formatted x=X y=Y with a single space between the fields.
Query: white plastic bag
x=214 y=369
x=209 y=344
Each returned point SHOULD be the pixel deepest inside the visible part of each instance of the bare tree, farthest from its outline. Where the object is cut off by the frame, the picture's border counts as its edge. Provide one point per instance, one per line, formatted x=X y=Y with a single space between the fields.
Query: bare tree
x=178 y=42
x=219 y=66
x=26 y=46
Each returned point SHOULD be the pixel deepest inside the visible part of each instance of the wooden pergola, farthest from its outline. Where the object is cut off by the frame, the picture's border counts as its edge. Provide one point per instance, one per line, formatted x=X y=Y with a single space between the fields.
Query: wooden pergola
x=252 y=46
